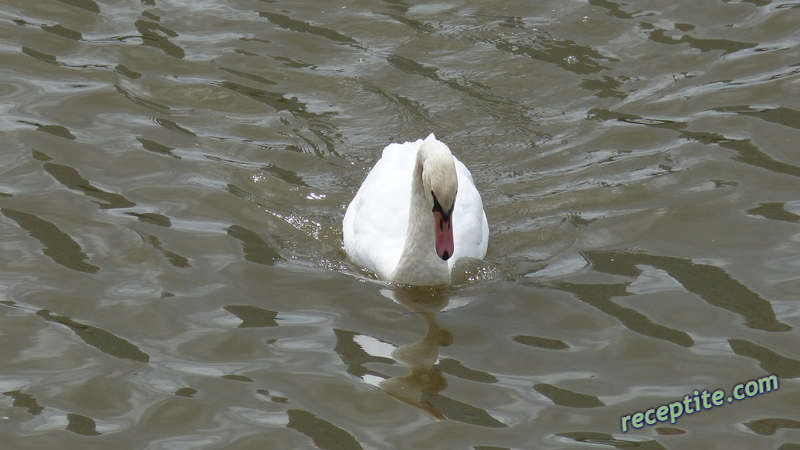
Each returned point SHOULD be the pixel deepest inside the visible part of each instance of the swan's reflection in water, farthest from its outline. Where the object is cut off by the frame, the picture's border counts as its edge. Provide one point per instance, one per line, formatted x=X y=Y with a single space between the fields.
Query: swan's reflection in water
x=422 y=380
x=423 y=383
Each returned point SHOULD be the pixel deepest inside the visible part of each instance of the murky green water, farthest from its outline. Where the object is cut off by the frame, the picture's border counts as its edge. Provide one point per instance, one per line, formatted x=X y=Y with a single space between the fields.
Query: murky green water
x=173 y=177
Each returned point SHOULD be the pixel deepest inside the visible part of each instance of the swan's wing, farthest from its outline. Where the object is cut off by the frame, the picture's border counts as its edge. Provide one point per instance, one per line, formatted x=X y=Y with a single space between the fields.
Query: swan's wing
x=376 y=221
x=470 y=227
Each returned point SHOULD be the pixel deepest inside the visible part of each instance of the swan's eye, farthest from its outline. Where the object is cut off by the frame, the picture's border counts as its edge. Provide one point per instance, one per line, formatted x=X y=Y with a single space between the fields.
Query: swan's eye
x=437 y=207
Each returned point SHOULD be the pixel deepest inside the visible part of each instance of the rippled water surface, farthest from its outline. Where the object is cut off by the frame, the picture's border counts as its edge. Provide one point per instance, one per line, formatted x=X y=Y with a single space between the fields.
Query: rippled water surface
x=173 y=176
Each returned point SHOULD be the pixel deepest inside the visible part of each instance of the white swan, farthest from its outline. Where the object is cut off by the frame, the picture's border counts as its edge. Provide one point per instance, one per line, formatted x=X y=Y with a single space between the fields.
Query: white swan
x=415 y=215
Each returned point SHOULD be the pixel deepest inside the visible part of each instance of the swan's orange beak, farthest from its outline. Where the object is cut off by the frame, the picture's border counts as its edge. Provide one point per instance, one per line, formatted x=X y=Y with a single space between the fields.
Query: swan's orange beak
x=444 y=235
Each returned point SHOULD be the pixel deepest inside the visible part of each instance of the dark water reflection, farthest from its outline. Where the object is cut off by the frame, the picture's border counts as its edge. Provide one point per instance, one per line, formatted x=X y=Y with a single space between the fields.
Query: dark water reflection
x=174 y=175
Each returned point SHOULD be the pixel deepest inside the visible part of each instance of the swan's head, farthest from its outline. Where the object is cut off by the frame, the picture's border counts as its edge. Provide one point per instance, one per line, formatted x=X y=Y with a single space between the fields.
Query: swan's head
x=441 y=186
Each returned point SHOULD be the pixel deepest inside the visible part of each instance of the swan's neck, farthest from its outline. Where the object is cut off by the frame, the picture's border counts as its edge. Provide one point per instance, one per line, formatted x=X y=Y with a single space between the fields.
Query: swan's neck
x=419 y=264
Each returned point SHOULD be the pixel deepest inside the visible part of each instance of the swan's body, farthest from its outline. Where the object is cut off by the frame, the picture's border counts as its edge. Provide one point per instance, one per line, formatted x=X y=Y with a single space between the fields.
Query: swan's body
x=415 y=215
